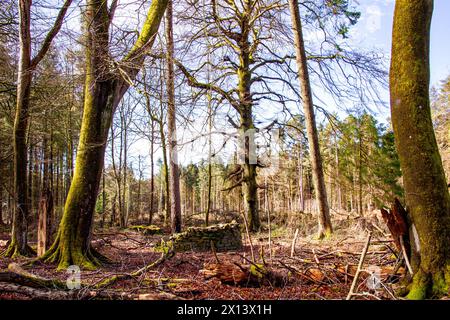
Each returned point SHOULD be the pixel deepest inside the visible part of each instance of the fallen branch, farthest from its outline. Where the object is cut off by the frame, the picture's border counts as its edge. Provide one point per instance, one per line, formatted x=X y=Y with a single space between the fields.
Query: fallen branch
x=360 y=264
x=59 y=294
x=109 y=281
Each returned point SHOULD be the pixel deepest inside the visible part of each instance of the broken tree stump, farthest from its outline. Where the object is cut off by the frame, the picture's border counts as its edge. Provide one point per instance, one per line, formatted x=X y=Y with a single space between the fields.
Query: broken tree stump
x=396 y=220
x=45 y=214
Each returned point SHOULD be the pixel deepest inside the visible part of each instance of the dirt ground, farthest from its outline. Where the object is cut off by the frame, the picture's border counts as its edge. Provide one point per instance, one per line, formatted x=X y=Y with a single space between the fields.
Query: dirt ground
x=317 y=270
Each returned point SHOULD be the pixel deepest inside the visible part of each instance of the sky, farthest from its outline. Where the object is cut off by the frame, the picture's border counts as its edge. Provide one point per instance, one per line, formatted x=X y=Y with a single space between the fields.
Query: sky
x=373 y=31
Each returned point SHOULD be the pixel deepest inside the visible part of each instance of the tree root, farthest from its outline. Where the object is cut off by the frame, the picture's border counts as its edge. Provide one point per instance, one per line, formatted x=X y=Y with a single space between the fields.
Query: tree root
x=13 y=251
x=427 y=285
x=65 y=257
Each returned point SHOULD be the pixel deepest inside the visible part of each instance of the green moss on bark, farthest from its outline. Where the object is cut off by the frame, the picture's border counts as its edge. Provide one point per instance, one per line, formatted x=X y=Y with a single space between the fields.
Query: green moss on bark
x=427 y=197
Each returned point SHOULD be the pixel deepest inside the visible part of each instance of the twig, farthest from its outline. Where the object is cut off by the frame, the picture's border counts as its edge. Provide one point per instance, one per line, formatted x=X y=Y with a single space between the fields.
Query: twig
x=366 y=294
x=315 y=256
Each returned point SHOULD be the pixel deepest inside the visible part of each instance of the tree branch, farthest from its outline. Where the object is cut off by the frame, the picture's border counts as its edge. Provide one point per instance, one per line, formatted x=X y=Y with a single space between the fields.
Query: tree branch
x=51 y=34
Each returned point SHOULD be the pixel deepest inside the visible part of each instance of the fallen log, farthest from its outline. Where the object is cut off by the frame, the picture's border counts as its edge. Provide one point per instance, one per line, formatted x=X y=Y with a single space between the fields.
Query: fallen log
x=82 y=294
x=34 y=292
x=243 y=275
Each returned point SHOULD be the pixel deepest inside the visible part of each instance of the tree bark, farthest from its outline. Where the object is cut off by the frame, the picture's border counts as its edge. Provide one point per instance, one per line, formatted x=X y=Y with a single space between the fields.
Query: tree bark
x=247 y=128
x=45 y=210
x=19 y=234
x=427 y=197
x=325 y=228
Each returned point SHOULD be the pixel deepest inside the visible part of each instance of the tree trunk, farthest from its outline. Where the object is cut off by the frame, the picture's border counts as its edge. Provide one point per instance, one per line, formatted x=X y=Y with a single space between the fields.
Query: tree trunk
x=19 y=234
x=45 y=210
x=102 y=223
x=165 y=197
x=124 y=147
x=26 y=65
x=250 y=187
x=175 y=199
x=325 y=228
x=103 y=93
x=152 y=175
x=247 y=155
x=427 y=197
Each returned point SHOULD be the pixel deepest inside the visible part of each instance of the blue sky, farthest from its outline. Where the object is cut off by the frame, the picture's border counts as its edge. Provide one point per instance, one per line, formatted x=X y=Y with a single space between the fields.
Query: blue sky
x=377 y=33
x=373 y=31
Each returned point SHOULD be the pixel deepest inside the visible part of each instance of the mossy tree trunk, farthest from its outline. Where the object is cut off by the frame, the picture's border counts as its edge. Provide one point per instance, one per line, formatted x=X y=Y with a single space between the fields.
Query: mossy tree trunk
x=325 y=228
x=19 y=234
x=247 y=128
x=427 y=197
x=103 y=92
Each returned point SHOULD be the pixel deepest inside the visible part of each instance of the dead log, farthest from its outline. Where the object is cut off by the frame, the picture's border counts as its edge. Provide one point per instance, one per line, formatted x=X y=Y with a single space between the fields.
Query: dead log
x=35 y=293
x=82 y=294
x=253 y=275
x=45 y=215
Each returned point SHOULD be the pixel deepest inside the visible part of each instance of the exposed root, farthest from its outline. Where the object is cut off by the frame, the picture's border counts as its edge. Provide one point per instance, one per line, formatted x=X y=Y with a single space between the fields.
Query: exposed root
x=65 y=257
x=13 y=251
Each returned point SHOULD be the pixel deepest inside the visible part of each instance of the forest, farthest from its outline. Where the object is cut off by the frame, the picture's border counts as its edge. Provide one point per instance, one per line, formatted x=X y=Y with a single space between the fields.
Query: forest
x=224 y=149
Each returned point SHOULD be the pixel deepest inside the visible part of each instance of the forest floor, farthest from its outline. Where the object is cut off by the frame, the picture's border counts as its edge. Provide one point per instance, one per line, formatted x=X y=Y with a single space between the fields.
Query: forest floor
x=317 y=269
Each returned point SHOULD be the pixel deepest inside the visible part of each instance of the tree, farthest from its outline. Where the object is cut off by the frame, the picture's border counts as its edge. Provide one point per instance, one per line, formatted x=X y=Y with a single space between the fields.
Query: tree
x=175 y=200
x=27 y=64
x=325 y=228
x=235 y=31
x=427 y=197
x=104 y=88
